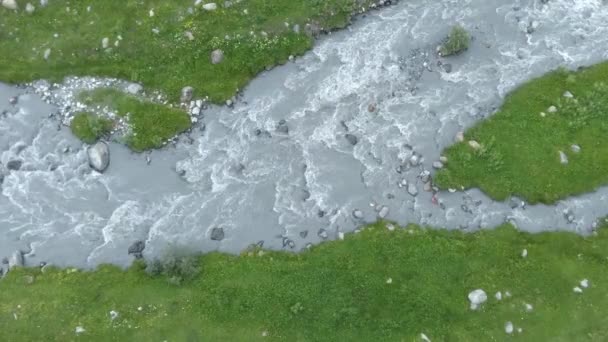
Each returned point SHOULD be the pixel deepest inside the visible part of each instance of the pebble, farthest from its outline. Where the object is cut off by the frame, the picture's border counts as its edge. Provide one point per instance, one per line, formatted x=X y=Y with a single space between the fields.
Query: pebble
x=389 y=280
x=113 y=315
x=424 y=338
x=584 y=283
x=509 y=328
x=79 y=330
x=358 y=214
x=529 y=307
x=105 y=42
x=10 y=4
x=29 y=8
x=459 y=137
x=383 y=212
x=414 y=160
x=217 y=56
x=47 y=54
x=322 y=233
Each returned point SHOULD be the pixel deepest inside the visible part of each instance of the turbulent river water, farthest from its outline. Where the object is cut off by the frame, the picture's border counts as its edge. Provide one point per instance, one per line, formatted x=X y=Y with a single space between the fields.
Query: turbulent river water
x=284 y=188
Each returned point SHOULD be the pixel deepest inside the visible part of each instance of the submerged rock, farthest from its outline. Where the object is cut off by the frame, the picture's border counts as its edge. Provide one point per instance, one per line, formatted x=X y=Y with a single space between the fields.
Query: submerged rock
x=137 y=248
x=282 y=127
x=412 y=190
x=358 y=214
x=352 y=139
x=14 y=165
x=99 y=156
x=217 y=234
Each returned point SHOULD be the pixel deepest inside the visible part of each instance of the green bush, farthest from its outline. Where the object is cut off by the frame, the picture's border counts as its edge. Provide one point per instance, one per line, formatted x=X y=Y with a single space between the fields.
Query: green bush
x=89 y=127
x=177 y=266
x=456 y=42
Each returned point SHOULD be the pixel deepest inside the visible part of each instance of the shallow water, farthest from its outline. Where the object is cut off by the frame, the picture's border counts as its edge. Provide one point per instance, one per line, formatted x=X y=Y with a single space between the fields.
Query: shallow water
x=274 y=186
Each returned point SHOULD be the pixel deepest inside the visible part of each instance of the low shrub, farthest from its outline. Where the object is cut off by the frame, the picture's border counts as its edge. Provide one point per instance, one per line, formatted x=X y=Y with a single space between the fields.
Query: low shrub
x=456 y=42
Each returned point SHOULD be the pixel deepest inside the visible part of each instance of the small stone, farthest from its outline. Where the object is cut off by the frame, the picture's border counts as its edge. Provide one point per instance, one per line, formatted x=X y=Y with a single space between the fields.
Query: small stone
x=412 y=190
x=105 y=43
x=217 y=56
x=443 y=159
x=10 y=4
x=217 y=234
x=427 y=187
x=282 y=127
x=577 y=289
x=524 y=253
x=134 y=88
x=383 y=212
x=79 y=330
x=212 y=6
x=352 y=139
x=390 y=227
x=389 y=280
x=438 y=165
x=43 y=3
x=552 y=109
x=447 y=67
x=424 y=338
x=14 y=165
x=358 y=214
x=29 y=8
x=575 y=148
x=543 y=114
x=16 y=260
x=474 y=144
x=568 y=94
x=584 y=283
x=563 y=158
x=371 y=108
x=414 y=160
x=509 y=328
x=459 y=137
x=322 y=233
x=189 y=35
x=137 y=248
x=304 y=234
x=529 y=307
x=477 y=297
x=498 y=295
x=341 y=235
x=113 y=315
x=187 y=93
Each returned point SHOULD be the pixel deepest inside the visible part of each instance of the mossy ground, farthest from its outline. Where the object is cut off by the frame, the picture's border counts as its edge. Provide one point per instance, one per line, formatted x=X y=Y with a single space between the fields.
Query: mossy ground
x=89 y=127
x=338 y=291
x=457 y=41
x=520 y=148
x=167 y=60
x=151 y=124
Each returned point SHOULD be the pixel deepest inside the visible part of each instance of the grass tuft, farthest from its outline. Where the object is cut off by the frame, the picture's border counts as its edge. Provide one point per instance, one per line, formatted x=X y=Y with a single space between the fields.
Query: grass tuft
x=89 y=127
x=457 y=41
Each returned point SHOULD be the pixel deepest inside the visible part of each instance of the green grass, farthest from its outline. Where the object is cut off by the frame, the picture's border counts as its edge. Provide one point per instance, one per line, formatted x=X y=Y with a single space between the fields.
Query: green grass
x=151 y=124
x=89 y=127
x=520 y=148
x=338 y=291
x=166 y=60
x=457 y=42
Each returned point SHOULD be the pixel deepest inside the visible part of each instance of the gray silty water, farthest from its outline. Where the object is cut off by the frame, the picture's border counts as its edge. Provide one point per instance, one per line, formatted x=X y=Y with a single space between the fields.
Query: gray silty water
x=259 y=184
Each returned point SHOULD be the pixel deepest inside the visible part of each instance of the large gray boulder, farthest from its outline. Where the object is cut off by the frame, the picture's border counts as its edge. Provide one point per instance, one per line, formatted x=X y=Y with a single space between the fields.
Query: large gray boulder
x=99 y=156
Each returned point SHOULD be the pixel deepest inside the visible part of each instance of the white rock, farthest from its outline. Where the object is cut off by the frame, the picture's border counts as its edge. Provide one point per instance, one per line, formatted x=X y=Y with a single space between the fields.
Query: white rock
x=563 y=158
x=509 y=328
x=10 y=4
x=459 y=137
x=477 y=297
x=390 y=227
x=105 y=43
x=584 y=283
x=16 y=260
x=508 y=294
x=99 y=156
x=196 y=111
x=498 y=295
x=412 y=190
x=189 y=35
x=414 y=160
x=212 y=6
x=113 y=315
x=438 y=165
x=341 y=235
x=474 y=144
x=552 y=109
x=543 y=114
x=44 y=2
x=568 y=94
x=577 y=289
x=575 y=148
x=198 y=2
x=151 y=13
x=29 y=8
x=389 y=280
x=134 y=88
x=524 y=253
x=529 y=307
x=79 y=330
x=47 y=53
x=425 y=338
x=383 y=212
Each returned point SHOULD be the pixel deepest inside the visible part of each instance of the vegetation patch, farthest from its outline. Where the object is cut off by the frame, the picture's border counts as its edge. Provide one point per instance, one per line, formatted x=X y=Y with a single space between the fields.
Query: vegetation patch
x=378 y=285
x=89 y=127
x=457 y=41
x=547 y=142
x=150 y=124
x=165 y=45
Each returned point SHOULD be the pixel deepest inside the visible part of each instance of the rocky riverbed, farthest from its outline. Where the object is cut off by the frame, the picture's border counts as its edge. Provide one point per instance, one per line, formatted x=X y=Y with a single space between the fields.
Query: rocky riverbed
x=350 y=132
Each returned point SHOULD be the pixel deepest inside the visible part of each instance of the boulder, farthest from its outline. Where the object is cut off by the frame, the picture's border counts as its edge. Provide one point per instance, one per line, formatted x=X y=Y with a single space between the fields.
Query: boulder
x=217 y=56
x=16 y=260
x=575 y=148
x=99 y=156
x=217 y=234
x=352 y=139
x=10 y=4
x=137 y=248
x=477 y=297
x=358 y=214
x=14 y=165
x=412 y=190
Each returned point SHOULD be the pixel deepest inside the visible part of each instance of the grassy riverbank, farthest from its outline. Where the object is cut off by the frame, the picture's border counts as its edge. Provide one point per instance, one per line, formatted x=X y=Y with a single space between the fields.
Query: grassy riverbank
x=375 y=285
x=164 y=45
x=520 y=145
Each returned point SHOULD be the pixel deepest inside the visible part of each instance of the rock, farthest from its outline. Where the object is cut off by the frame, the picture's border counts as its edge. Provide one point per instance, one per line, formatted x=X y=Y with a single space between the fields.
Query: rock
x=16 y=260
x=296 y=28
x=13 y=100
x=304 y=234
x=447 y=67
x=189 y=35
x=412 y=190
x=498 y=295
x=529 y=307
x=477 y=297
x=424 y=338
x=134 y=88
x=105 y=43
x=113 y=315
x=563 y=158
x=509 y=328
x=137 y=248
x=212 y=6
x=414 y=160
x=474 y=144
x=524 y=253
x=577 y=289
x=575 y=148
x=217 y=234
x=79 y=330
x=552 y=109
x=584 y=283
x=383 y=212
x=568 y=95
x=10 y=4
x=425 y=176
x=371 y=108
x=217 y=56
x=428 y=187
x=443 y=159
x=322 y=233
x=187 y=93
x=459 y=137
x=14 y=165
x=438 y=165
x=282 y=127
x=29 y=8
x=99 y=156
x=47 y=54
x=358 y=214
x=352 y=139
x=43 y=3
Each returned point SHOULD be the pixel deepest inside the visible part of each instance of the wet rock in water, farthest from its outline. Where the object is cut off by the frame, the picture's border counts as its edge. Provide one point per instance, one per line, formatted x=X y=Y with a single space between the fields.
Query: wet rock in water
x=563 y=158
x=187 y=93
x=322 y=233
x=443 y=159
x=474 y=144
x=568 y=215
x=99 y=156
x=425 y=176
x=477 y=297
x=304 y=234
x=575 y=148
x=415 y=160
x=412 y=190
x=447 y=67
x=14 y=165
x=428 y=187
x=13 y=100
x=282 y=127
x=358 y=214
x=217 y=234
x=217 y=56
x=383 y=212
x=137 y=248
x=438 y=165
x=352 y=139
x=371 y=108
x=16 y=260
